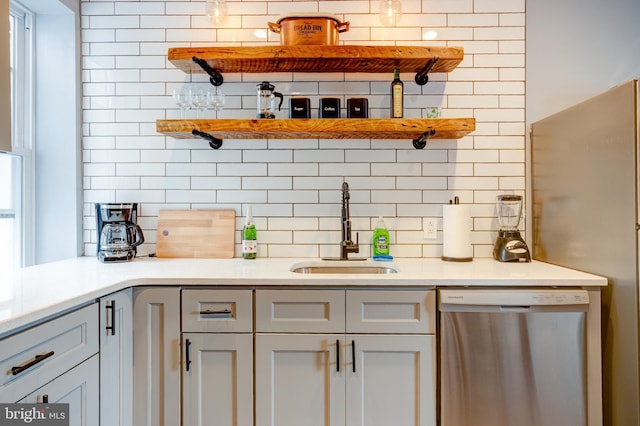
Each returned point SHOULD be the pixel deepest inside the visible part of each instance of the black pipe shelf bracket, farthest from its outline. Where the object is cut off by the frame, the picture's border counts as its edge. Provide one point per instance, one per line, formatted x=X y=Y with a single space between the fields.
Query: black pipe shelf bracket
x=422 y=77
x=214 y=142
x=421 y=142
x=215 y=77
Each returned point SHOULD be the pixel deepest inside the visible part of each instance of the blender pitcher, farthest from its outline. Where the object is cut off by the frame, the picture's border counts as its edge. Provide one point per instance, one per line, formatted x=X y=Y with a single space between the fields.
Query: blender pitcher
x=266 y=100
x=509 y=211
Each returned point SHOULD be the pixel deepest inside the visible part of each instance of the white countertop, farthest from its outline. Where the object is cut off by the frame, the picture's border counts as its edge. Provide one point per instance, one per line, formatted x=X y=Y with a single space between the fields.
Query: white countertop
x=36 y=293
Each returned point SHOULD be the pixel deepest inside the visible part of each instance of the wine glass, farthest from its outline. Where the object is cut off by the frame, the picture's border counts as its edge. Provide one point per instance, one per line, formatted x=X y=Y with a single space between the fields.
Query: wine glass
x=198 y=100
x=181 y=98
x=215 y=98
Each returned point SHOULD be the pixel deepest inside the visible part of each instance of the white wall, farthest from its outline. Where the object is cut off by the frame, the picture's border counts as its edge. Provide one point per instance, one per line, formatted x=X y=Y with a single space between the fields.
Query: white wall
x=294 y=185
x=577 y=49
x=5 y=86
x=58 y=195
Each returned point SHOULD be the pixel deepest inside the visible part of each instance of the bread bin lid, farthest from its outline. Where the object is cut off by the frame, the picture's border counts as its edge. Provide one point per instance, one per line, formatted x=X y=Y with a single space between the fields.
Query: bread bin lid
x=309 y=15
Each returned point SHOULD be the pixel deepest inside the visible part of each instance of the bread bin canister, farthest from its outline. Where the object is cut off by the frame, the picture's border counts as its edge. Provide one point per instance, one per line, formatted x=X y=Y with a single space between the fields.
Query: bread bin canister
x=308 y=29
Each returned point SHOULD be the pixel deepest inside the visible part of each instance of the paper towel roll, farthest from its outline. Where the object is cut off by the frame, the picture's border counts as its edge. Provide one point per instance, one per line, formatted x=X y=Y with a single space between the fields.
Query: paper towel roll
x=456 y=230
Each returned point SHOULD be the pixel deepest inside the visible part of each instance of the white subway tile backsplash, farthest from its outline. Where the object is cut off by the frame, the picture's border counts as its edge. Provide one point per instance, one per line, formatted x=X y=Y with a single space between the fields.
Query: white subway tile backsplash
x=94 y=8
x=114 y=156
x=162 y=182
x=297 y=169
x=293 y=224
x=294 y=184
x=98 y=35
x=112 y=21
x=140 y=169
x=501 y=169
x=115 y=182
x=254 y=169
x=139 y=8
x=447 y=6
x=250 y=196
x=164 y=156
x=99 y=169
x=501 y=6
x=498 y=33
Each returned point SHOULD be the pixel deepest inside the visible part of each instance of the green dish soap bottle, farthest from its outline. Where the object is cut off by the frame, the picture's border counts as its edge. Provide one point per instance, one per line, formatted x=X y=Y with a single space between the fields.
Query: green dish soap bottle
x=249 y=237
x=380 y=239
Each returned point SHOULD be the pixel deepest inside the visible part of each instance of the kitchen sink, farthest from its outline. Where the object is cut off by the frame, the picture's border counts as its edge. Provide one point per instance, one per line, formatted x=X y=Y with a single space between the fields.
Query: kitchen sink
x=343 y=267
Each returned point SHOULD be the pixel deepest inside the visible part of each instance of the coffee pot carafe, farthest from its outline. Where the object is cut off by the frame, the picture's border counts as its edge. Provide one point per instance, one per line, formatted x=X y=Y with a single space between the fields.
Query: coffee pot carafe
x=266 y=100
x=118 y=233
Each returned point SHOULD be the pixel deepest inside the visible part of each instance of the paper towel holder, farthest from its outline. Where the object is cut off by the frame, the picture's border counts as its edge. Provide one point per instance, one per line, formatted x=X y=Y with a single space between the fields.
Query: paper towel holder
x=449 y=258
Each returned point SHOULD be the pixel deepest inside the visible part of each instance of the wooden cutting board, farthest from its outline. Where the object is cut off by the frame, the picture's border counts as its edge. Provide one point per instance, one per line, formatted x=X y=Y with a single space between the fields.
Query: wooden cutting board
x=196 y=233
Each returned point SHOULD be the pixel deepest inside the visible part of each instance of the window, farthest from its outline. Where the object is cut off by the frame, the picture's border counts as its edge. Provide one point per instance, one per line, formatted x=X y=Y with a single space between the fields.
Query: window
x=17 y=167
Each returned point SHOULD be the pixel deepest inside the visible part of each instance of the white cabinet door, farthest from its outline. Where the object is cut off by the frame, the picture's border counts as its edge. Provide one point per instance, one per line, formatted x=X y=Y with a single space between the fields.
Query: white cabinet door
x=116 y=358
x=390 y=380
x=217 y=379
x=79 y=388
x=299 y=380
x=156 y=356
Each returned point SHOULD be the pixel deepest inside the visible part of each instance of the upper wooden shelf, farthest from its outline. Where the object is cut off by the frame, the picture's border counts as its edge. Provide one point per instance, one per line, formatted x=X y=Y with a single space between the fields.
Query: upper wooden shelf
x=314 y=58
x=322 y=128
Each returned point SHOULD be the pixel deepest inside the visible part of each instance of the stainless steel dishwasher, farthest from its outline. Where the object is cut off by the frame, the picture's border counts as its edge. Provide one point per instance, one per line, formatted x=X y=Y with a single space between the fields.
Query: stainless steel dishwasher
x=513 y=357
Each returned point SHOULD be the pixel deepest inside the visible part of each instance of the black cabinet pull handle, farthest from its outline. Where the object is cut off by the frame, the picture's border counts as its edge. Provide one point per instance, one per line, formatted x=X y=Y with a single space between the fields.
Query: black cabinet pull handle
x=220 y=312
x=353 y=355
x=37 y=359
x=188 y=353
x=112 y=306
x=338 y=355
x=45 y=399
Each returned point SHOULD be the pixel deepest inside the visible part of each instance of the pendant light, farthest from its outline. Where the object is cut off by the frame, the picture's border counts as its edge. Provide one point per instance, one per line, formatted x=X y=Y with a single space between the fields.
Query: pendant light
x=217 y=12
x=390 y=12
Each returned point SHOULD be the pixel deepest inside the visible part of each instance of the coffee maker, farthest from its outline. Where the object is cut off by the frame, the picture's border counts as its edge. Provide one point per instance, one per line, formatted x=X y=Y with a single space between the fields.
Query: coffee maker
x=510 y=247
x=266 y=100
x=117 y=231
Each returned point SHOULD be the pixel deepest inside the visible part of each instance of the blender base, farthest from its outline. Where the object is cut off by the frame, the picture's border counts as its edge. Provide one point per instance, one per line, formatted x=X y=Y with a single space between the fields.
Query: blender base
x=510 y=247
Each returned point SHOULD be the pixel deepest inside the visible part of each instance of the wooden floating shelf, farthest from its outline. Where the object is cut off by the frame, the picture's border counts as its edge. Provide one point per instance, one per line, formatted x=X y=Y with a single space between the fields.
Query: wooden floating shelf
x=340 y=58
x=320 y=128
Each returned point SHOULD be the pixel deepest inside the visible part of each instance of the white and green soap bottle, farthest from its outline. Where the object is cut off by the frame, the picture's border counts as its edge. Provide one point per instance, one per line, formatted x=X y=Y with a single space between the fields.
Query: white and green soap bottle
x=249 y=237
x=380 y=239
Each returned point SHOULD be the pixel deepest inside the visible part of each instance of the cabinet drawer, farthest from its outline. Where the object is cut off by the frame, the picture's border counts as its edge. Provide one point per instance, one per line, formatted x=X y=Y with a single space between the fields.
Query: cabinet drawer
x=391 y=311
x=46 y=351
x=300 y=311
x=217 y=311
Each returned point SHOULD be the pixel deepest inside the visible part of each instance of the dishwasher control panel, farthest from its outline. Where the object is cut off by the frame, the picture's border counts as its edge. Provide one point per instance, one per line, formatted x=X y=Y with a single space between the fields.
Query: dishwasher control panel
x=513 y=297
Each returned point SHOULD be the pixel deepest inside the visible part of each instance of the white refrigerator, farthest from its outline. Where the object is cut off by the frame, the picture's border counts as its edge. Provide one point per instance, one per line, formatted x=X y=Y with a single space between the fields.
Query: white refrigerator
x=585 y=188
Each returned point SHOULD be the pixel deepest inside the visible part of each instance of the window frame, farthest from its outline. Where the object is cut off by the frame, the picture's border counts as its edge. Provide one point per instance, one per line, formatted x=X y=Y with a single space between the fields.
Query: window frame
x=22 y=131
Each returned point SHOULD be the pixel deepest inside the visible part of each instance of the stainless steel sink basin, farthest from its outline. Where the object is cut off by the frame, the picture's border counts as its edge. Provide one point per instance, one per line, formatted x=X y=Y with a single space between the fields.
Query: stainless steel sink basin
x=343 y=268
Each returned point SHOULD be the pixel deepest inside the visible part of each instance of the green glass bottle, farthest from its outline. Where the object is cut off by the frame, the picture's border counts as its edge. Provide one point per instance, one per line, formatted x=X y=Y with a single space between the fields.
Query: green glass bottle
x=397 y=95
x=249 y=237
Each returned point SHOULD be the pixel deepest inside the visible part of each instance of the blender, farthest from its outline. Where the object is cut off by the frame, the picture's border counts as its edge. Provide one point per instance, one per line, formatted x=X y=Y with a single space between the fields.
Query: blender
x=510 y=247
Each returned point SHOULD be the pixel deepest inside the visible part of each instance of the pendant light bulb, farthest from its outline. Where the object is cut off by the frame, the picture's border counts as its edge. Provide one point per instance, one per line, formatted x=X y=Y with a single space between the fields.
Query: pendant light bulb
x=390 y=12
x=217 y=12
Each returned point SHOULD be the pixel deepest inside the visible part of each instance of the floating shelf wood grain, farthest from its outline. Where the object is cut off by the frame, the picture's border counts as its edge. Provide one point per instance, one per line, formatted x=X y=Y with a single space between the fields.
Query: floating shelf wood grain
x=320 y=128
x=341 y=58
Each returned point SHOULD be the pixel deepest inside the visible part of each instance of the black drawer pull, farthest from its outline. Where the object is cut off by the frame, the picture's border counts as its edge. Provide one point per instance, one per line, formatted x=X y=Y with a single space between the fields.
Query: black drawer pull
x=220 y=312
x=37 y=359
x=338 y=355
x=353 y=355
x=112 y=327
x=188 y=354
